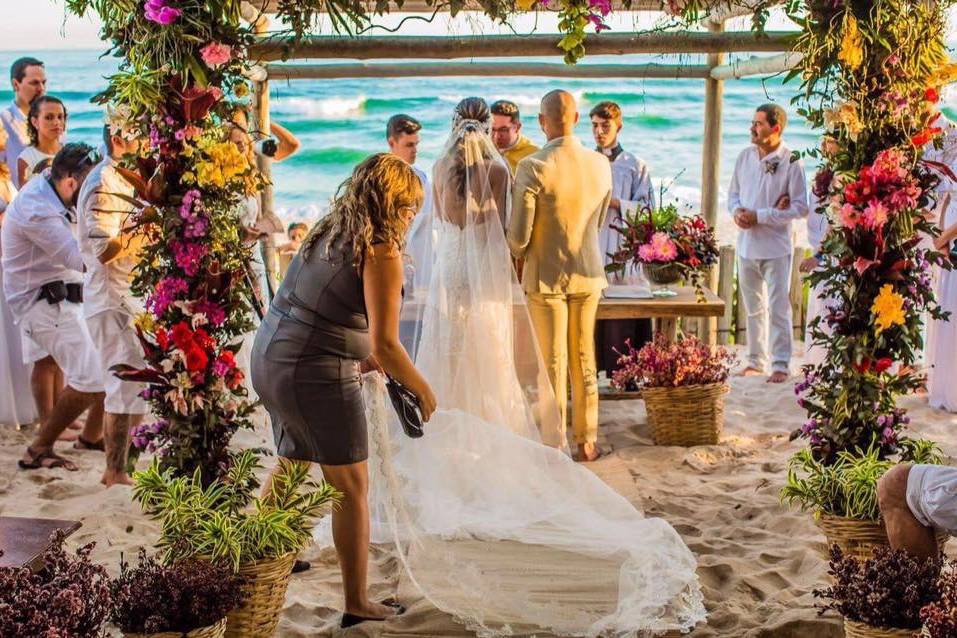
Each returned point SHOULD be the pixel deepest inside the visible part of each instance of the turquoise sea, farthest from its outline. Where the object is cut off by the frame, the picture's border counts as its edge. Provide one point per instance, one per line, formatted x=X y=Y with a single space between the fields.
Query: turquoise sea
x=341 y=121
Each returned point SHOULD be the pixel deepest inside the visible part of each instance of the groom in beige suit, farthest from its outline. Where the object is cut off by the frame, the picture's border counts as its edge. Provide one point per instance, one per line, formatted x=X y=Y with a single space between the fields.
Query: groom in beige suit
x=559 y=201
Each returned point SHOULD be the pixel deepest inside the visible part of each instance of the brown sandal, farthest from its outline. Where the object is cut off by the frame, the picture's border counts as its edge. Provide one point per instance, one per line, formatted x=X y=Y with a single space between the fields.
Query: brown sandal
x=46 y=461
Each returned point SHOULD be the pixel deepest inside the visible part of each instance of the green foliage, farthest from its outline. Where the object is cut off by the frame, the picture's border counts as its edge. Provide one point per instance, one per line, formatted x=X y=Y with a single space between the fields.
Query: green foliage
x=223 y=521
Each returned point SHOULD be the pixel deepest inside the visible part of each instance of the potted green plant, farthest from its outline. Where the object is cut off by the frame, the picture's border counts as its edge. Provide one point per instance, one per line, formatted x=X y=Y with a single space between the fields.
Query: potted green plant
x=258 y=537
x=882 y=596
x=186 y=599
x=683 y=385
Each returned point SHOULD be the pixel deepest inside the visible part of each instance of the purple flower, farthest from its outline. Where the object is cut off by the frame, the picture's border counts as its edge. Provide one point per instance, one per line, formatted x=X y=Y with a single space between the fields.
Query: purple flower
x=888 y=436
x=160 y=12
x=144 y=435
x=166 y=292
x=189 y=256
x=602 y=6
x=214 y=312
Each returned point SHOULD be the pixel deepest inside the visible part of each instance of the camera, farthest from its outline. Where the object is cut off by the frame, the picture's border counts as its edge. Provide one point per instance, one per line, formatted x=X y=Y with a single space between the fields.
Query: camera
x=267 y=147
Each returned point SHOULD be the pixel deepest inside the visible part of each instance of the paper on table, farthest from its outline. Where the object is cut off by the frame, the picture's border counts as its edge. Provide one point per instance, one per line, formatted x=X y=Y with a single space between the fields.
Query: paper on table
x=628 y=291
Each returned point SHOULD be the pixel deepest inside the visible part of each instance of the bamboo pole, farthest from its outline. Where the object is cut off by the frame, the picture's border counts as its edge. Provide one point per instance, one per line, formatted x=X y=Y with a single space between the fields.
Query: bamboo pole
x=485 y=69
x=796 y=295
x=726 y=292
x=754 y=65
x=260 y=113
x=740 y=314
x=534 y=45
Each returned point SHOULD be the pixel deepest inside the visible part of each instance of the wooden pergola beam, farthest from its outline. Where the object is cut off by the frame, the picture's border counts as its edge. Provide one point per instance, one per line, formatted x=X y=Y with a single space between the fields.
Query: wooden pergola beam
x=442 y=6
x=535 y=45
x=486 y=69
x=756 y=66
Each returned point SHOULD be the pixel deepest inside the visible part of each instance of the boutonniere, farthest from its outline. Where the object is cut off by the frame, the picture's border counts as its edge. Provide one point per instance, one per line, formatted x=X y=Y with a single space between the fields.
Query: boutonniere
x=771 y=167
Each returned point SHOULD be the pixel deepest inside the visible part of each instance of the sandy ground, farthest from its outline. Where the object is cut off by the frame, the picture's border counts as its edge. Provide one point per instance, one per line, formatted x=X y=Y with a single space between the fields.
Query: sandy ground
x=758 y=562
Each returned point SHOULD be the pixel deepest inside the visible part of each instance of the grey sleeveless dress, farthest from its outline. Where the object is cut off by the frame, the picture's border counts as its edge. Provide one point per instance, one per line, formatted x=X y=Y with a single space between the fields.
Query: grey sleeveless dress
x=306 y=354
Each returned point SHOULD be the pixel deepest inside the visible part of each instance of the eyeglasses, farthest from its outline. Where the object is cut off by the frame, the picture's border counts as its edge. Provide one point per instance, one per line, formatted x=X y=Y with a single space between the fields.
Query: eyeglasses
x=504 y=129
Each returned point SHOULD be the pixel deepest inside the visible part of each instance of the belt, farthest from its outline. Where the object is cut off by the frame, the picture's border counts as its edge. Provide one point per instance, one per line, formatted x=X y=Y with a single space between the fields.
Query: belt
x=59 y=291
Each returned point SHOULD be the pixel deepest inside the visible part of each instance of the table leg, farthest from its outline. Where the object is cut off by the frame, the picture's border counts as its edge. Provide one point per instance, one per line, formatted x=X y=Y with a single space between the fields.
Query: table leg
x=668 y=327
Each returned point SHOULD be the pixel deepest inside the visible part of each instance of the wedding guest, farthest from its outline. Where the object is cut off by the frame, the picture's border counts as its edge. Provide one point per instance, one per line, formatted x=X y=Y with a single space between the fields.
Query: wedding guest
x=286 y=143
x=110 y=251
x=403 y=137
x=46 y=124
x=631 y=191
x=42 y=273
x=336 y=315
x=507 y=133
x=559 y=202
x=916 y=501
x=28 y=77
x=768 y=191
x=296 y=232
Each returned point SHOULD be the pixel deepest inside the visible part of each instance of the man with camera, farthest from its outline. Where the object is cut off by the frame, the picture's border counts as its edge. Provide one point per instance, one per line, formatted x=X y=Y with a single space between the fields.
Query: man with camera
x=42 y=274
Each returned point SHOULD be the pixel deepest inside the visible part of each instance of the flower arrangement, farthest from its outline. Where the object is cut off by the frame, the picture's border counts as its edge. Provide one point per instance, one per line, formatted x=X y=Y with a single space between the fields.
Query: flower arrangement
x=887 y=591
x=70 y=596
x=186 y=595
x=940 y=616
x=663 y=237
x=223 y=521
x=663 y=364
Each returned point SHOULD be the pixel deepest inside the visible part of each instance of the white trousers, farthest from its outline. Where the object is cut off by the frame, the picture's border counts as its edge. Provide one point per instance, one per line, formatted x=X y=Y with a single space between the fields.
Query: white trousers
x=60 y=330
x=115 y=339
x=765 y=284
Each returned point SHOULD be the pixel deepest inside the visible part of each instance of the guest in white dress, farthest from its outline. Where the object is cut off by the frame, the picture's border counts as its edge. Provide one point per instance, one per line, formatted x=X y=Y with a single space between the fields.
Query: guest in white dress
x=46 y=125
x=768 y=191
x=16 y=403
x=29 y=81
x=631 y=191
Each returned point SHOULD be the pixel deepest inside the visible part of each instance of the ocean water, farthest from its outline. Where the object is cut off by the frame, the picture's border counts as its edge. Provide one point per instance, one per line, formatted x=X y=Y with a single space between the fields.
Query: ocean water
x=339 y=122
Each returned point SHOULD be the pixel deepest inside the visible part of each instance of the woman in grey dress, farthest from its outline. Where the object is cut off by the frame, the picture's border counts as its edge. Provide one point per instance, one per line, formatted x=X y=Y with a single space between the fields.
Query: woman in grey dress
x=336 y=314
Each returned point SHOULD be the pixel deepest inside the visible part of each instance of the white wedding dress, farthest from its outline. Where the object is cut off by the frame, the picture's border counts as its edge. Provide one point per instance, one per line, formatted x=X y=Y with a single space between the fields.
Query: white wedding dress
x=489 y=518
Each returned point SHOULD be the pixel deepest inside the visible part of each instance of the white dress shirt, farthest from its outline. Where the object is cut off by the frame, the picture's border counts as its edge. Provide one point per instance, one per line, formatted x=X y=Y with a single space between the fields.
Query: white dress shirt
x=420 y=238
x=38 y=245
x=15 y=124
x=631 y=184
x=758 y=185
x=817 y=225
x=101 y=217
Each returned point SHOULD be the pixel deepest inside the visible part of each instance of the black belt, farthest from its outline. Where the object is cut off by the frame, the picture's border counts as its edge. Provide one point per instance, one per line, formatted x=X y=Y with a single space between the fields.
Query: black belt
x=57 y=291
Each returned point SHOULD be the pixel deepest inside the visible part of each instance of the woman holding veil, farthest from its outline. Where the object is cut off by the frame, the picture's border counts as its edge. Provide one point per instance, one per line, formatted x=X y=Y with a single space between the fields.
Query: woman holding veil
x=489 y=518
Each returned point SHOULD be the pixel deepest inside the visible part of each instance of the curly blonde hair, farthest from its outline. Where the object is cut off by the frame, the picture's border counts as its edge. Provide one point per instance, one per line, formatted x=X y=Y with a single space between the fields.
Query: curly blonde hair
x=370 y=207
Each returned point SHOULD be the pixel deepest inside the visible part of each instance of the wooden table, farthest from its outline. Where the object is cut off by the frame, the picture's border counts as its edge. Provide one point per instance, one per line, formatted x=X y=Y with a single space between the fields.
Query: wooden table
x=23 y=540
x=664 y=310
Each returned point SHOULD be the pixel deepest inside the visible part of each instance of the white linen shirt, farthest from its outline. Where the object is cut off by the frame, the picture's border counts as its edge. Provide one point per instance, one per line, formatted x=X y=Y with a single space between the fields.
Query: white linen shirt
x=38 y=245
x=757 y=186
x=817 y=225
x=15 y=124
x=101 y=217
x=420 y=238
x=631 y=184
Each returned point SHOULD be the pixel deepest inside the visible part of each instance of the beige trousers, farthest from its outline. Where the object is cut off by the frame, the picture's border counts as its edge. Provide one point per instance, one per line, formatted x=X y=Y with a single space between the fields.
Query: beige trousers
x=565 y=325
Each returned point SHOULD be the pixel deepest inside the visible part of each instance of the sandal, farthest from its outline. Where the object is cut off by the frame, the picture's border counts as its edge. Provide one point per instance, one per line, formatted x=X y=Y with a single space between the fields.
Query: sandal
x=351 y=620
x=47 y=461
x=83 y=444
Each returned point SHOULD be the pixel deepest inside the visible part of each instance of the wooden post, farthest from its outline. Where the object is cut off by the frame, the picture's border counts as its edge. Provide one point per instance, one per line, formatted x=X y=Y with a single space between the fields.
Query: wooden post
x=740 y=314
x=260 y=119
x=726 y=292
x=796 y=294
x=711 y=165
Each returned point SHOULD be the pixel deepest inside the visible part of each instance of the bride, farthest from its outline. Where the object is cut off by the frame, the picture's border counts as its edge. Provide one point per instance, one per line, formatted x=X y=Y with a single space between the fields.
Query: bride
x=489 y=518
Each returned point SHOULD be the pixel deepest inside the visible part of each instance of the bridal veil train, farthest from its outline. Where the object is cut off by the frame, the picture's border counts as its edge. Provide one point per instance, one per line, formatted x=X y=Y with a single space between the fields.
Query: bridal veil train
x=488 y=517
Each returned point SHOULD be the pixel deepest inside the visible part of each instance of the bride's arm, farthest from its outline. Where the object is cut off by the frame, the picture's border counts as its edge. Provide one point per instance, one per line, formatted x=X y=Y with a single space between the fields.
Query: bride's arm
x=382 y=289
x=501 y=181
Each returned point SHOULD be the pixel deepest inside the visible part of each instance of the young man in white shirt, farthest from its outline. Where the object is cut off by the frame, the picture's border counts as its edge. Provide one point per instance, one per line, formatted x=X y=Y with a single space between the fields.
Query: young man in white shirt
x=110 y=251
x=42 y=273
x=768 y=191
x=631 y=191
x=402 y=136
x=29 y=81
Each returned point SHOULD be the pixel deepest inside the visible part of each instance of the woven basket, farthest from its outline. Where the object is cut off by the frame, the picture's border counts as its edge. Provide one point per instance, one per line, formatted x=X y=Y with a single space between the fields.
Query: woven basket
x=213 y=631
x=860 y=630
x=686 y=415
x=857 y=538
x=265 y=592
x=662 y=274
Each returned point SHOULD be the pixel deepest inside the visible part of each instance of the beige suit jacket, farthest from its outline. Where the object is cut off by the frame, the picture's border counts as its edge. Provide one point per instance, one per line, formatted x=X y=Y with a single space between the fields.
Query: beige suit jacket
x=559 y=202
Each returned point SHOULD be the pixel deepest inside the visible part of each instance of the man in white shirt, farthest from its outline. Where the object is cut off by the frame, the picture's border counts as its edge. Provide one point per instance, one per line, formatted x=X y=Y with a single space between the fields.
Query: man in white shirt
x=631 y=191
x=402 y=135
x=109 y=250
x=29 y=81
x=42 y=272
x=768 y=191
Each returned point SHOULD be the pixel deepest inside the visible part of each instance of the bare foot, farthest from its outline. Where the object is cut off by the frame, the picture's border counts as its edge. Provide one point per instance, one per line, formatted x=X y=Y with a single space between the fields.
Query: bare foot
x=778 y=376
x=588 y=452
x=751 y=371
x=76 y=425
x=112 y=477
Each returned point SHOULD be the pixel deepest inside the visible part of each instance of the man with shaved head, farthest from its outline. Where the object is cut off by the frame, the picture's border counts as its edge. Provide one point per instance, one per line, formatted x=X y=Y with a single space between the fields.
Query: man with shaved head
x=560 y=198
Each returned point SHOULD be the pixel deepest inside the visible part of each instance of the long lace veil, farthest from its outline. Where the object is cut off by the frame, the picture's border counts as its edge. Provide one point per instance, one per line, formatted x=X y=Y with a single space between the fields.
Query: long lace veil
x=486 y=516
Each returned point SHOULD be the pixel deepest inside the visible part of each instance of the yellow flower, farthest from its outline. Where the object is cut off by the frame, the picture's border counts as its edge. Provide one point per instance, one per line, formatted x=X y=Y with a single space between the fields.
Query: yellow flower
x=145 y=322
x=241 y=89
x=223 y=163
x=525 y=5
x=943 y=75
x=852 y=52
x=844 y=115
x=889 y=308
x=189 y=177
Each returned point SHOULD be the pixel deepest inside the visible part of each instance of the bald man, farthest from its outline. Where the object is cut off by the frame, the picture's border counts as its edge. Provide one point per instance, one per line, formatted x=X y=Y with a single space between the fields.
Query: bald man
x=560 y=198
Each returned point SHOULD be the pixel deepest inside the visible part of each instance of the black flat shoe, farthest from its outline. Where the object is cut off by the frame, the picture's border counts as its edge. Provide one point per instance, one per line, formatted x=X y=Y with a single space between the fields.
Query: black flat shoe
x=301 y=566
x=351 y=620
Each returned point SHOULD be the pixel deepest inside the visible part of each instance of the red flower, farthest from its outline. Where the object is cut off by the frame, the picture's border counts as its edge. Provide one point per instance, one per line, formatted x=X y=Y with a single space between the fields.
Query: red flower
x=162 y=339
x=182 y=336
x=236 y=379
x=863 y=366
x=227 y=357
x=202 y=338
x=932 y=94
x=883 y=364
x=196 y=359
x=926 y=136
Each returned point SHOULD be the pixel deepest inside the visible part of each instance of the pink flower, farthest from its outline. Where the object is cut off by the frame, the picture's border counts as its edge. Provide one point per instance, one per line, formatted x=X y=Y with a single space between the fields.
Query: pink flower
x=875 y=215
x=166 y=292
x=160 y=12
x=646 y=252
x=861 y=265
x=216 y=55
x=850 y=216
x=665 y=248
x=602 y=6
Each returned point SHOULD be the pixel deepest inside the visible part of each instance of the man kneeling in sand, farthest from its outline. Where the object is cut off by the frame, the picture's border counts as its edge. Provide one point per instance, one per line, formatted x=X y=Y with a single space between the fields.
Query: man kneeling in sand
x=915 y=502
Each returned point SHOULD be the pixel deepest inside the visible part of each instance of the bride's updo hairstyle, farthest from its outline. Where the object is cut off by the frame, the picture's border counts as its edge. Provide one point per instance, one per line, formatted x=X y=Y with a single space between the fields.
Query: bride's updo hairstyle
x=371 y=206
x=471 y=115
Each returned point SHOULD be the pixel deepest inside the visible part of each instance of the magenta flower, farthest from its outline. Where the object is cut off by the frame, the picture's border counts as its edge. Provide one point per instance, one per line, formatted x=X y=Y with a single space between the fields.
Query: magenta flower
x=216 y=55
x=214 y=313
x=189 y=256
x=160 y=12
x=167 y=291
x=875 y=215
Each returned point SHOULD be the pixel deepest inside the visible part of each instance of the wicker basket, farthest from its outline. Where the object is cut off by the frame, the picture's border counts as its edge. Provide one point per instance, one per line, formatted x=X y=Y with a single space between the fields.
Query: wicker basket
x=213 y=631
x=265 y=591
x=854 y=629
x=857 y=538
x=662 y=274
x=686 y=415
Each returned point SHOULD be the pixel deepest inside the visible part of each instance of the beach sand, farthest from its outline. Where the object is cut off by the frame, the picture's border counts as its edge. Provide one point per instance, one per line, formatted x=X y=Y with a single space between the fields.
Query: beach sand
x=758 y=562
